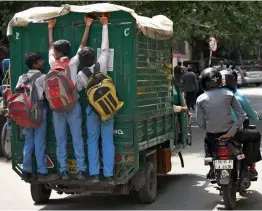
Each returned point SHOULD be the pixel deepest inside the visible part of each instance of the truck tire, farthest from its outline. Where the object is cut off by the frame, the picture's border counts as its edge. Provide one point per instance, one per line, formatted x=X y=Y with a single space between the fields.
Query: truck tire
x=147 y=194
x=229 y=196
x=39 y=193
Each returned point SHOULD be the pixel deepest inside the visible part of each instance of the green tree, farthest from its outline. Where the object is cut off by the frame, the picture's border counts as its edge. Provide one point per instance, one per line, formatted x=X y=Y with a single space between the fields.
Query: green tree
x=236 y=25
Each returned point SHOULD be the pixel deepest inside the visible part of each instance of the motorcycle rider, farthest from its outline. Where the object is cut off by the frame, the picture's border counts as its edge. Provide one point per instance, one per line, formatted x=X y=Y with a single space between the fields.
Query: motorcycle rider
x=213 y=114
x=229 y=79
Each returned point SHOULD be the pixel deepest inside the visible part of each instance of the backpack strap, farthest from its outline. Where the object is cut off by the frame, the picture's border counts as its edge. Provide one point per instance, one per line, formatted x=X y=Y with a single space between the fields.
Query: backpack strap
x=29 y=80
x=97 y=68
x=67 y=71
x=35 y=76
x=88 y=73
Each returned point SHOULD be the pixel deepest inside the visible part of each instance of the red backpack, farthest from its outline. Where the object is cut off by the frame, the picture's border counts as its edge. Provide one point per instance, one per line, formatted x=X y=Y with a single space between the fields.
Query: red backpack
x=25 y=108
x=60 y=90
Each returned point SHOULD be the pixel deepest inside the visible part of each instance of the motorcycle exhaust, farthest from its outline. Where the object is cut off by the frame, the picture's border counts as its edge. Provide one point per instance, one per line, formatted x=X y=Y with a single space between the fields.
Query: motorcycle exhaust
x=245 y=183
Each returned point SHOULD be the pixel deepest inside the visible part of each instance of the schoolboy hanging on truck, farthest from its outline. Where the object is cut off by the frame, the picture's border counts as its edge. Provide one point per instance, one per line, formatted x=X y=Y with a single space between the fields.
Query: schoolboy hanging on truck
x=61 y=89
x=103 y=104
x=28 y=110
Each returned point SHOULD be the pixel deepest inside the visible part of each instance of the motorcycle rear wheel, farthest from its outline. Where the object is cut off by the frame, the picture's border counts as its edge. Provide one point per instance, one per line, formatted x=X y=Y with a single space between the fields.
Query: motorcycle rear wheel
x=6 y=142
x=230 y=195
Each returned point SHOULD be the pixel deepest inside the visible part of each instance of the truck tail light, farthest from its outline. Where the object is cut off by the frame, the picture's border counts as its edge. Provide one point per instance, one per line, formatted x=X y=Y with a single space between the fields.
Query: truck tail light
x=124 y=158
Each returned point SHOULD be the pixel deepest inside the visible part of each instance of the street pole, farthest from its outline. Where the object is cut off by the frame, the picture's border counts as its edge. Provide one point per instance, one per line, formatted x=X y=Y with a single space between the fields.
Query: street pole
x=210 y=57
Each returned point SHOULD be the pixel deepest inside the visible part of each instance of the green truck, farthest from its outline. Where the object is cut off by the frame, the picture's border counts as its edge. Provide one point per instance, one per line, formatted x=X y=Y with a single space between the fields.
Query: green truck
x=146 y=128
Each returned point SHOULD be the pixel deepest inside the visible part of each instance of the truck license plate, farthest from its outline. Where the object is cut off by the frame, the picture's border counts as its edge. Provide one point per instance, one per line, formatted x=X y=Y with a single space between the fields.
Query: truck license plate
x=223 y=164
x=72 y=166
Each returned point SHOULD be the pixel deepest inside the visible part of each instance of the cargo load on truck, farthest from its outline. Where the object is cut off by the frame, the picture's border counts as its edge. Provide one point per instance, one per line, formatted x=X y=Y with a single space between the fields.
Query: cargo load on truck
x=140 y=65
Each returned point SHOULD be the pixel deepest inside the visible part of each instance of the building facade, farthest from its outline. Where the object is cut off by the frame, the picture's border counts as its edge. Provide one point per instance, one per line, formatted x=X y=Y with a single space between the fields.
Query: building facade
x=181 y=52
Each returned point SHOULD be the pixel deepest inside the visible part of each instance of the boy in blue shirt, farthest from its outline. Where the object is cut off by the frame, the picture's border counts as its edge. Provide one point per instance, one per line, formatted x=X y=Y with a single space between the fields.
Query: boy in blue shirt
x=229 y=80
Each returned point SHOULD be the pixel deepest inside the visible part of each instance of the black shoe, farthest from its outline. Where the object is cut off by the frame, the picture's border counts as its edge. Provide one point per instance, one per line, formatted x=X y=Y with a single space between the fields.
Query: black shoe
x=65 y=175
x=109 y=181
x=193 y=108
x=47 y=177
x=26 y=176
x=94 y=179
x=252 y=173
x=80 y=175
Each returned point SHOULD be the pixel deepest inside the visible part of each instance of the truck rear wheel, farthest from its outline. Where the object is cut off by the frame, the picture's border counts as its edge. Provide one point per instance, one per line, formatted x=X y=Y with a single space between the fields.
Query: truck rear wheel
x=147 y=194
x=40 y=194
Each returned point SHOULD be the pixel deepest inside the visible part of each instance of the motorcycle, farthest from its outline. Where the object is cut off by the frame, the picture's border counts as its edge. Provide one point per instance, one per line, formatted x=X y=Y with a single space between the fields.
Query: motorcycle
x=228 y=169
x=6 y=130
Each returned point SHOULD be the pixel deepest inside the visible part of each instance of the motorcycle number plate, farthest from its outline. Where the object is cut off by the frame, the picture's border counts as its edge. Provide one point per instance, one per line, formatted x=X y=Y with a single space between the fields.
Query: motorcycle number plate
x=223 y=164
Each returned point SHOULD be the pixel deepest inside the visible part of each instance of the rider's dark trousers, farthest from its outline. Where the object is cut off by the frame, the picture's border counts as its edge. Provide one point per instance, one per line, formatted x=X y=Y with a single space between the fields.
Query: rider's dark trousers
x=256 y=138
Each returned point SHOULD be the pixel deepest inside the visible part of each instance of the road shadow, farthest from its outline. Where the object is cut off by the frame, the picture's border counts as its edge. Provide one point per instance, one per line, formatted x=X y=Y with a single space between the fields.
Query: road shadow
x=252 y=201
x=4 y=160
x=183 y=192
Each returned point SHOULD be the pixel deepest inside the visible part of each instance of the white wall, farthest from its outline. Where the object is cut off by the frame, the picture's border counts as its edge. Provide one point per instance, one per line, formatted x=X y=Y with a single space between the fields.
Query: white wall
x=183 y=57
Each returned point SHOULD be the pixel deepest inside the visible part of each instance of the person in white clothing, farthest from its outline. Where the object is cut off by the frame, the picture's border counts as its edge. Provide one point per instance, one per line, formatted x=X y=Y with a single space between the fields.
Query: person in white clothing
x=58 y=53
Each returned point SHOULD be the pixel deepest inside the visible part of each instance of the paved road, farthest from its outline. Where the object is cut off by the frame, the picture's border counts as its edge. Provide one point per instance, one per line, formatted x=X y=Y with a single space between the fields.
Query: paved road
x=184 y=188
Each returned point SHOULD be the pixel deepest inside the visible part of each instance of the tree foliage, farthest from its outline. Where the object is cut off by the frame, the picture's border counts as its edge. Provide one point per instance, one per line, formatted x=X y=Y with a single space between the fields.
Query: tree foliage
x=235 y=24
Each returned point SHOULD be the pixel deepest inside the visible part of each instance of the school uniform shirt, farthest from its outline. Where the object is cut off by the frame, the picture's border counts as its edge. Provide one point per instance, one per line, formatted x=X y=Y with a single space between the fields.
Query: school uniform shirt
x=102 y=60
x=39 y=83
x=213 y=112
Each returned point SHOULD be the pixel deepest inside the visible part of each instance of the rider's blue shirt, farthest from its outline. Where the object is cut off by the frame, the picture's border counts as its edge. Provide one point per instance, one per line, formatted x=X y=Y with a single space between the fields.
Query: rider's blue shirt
x=246 y=106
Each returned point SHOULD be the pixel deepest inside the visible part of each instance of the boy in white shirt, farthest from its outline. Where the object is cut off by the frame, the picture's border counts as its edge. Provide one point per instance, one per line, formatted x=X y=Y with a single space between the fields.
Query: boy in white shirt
x=58 y=53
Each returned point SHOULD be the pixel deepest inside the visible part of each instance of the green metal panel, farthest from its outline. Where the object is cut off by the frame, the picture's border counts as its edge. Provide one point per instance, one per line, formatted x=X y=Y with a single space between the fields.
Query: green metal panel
x=139 y=73
x=154 y=93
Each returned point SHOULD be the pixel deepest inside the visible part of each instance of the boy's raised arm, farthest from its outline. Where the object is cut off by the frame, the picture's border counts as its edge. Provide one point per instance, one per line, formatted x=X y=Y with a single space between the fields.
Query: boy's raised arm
x=51 y=26
x=103 y=58
x=88 y=22
x=74 y=63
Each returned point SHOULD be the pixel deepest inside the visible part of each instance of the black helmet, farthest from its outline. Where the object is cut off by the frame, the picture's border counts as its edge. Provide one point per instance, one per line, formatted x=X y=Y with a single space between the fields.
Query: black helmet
x=228 y=79
x=210 y=78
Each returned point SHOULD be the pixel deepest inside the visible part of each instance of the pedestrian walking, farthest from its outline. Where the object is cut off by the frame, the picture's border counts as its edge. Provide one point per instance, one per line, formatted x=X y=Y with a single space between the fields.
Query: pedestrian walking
x=190 y=87
x=178 y=74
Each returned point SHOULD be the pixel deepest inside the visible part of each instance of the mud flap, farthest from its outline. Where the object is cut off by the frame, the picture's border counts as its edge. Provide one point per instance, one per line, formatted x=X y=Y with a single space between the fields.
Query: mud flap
x=224 y=177
x=139 y=180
